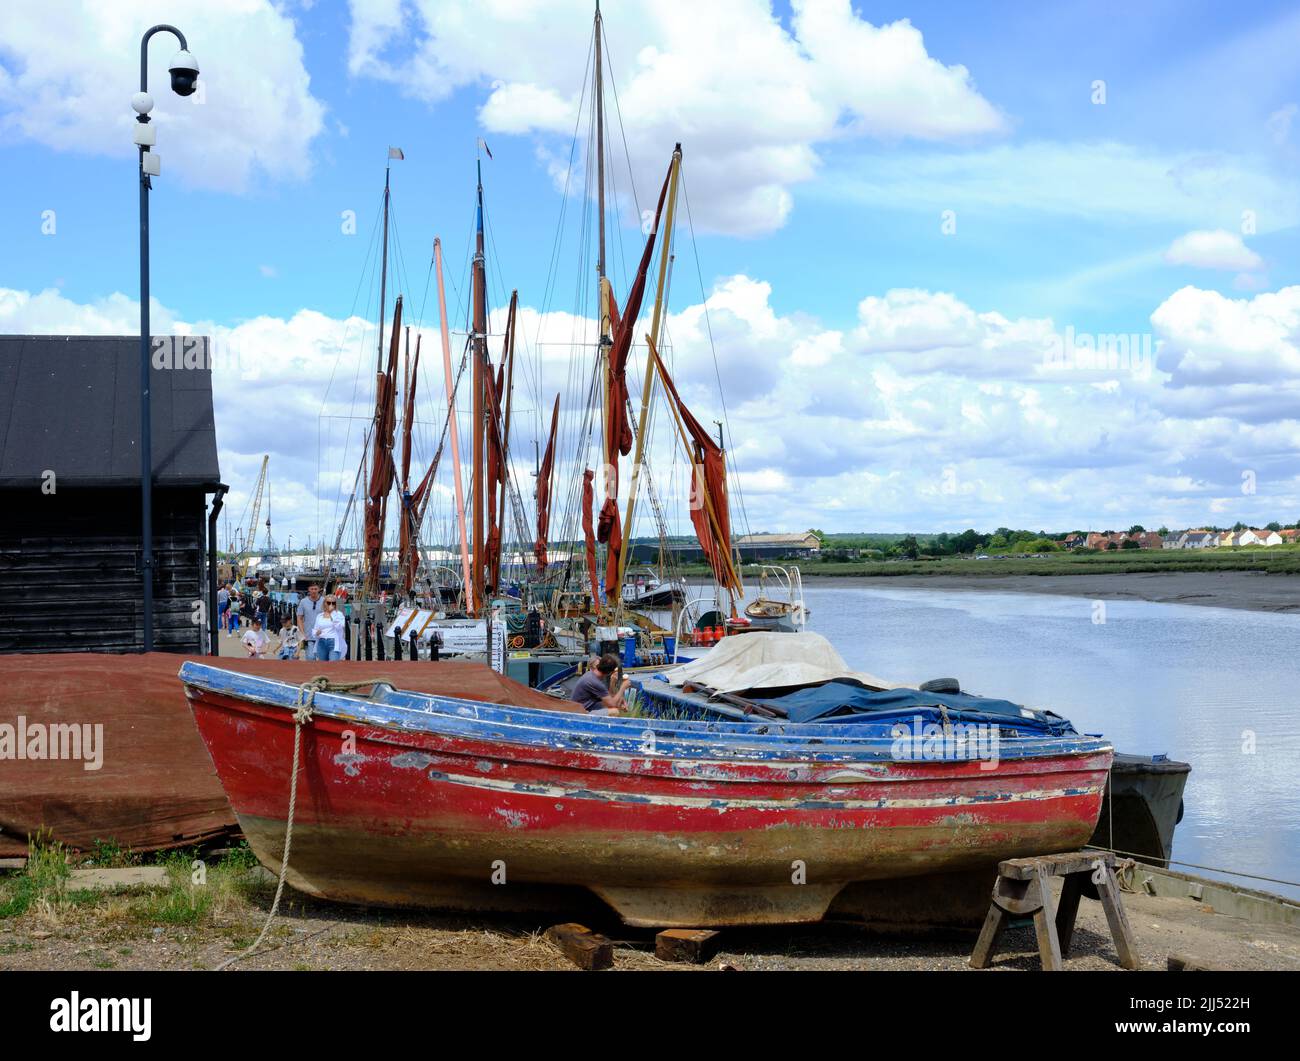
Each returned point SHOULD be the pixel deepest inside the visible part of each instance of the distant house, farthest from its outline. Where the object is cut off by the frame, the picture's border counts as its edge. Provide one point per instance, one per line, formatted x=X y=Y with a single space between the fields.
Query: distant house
x=1267 y=537
x=1289 y=535
x=1171 y=541
x=775 y=546
x=70 y=541
x=1149 y=540
x=1199 y=539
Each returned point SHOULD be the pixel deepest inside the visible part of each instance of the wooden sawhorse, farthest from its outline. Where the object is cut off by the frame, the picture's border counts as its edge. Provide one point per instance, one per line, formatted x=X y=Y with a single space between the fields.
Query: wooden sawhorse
x=1023 y=887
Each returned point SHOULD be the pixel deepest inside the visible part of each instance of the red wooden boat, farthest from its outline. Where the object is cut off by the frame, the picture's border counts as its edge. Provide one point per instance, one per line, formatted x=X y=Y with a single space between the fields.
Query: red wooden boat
x=413 y=799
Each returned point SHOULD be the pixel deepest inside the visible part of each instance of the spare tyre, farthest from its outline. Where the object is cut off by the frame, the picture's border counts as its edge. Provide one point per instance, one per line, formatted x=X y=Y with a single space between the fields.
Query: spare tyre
x=941 y=685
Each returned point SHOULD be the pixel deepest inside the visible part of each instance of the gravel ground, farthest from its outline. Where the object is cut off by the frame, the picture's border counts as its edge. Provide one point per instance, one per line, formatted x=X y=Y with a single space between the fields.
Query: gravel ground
x=109 y=933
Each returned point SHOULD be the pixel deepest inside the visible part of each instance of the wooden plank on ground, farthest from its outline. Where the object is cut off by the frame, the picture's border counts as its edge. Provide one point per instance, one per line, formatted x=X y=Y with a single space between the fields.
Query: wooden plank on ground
x=1182 y=963
x=586 y=949
x=693 y=945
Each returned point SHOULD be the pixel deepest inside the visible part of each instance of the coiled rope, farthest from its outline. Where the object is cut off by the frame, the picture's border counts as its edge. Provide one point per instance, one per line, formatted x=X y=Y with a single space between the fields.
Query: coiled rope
x=302 y=714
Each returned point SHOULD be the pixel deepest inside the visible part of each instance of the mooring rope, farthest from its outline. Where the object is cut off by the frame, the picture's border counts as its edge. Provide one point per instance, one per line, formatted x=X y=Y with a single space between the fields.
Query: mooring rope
x=301 y=716
x=1193 y=865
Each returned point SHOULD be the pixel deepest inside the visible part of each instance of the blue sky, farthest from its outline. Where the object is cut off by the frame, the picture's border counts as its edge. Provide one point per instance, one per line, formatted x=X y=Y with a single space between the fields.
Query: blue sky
x=880 y=372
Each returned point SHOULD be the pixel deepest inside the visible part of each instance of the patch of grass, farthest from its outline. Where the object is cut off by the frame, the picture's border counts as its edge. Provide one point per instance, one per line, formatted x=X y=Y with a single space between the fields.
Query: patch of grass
x=638 y=705
x=83 y=897
x=44 y=882
x=197 y=894
x=109 y=854
x=178 y=905
x=240 y=858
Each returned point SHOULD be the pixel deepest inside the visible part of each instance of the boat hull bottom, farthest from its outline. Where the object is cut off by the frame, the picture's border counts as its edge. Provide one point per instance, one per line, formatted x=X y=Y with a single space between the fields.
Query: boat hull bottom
x=945 y=892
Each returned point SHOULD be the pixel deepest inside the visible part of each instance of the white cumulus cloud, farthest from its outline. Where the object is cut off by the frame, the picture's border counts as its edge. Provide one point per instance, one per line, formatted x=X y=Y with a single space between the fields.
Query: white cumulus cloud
x=750 y=115
x=1213 y=249
x=68 y=69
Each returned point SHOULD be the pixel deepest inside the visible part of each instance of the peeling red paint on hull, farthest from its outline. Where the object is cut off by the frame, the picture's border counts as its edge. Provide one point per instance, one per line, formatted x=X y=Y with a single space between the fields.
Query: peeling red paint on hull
x=427 y=819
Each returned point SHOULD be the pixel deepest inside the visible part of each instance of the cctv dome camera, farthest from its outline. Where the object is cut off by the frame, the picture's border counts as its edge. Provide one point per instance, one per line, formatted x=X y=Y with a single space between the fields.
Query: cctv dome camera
x=185 y=72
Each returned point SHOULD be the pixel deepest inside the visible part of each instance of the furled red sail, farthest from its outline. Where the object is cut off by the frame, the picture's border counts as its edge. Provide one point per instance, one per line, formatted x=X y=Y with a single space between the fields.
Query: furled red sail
x=497 y=441
x=588 y=497
x=495 y=479
x=708 y=488
x=414 y=505
x=618 y=431
x=412 y=508
x=382 y=471
x=544 y=491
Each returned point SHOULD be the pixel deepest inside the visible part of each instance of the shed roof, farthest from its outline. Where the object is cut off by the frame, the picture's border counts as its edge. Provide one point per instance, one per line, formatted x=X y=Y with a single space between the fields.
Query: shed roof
x=70 y=404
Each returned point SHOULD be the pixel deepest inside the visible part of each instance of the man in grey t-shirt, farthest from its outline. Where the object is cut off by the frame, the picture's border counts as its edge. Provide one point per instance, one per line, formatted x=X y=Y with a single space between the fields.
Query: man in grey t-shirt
x=308 y=608
x=592 y=690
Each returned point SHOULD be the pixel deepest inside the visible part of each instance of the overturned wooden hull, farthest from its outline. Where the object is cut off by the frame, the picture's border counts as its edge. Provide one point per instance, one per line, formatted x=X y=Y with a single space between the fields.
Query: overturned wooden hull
x=415 y=800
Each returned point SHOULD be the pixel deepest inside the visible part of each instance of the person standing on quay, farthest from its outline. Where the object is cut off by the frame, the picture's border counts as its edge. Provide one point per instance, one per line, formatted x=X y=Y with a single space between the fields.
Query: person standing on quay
x=309 y=608
x=264 y=609
x=329 y=631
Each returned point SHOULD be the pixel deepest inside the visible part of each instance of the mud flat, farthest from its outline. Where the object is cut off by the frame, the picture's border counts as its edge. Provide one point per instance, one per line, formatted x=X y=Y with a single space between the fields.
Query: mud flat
x=1244 y=590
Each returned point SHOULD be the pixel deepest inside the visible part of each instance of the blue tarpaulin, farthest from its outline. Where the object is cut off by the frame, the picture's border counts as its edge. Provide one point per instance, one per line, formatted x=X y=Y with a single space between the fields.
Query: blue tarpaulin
x=844 y=700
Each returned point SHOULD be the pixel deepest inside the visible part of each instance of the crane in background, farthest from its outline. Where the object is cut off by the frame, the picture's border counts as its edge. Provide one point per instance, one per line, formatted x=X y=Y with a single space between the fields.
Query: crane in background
x=249 y=538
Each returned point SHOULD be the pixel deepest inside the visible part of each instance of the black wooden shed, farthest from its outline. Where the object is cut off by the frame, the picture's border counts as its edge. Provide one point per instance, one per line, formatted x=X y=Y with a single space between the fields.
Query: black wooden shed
x=70 y=541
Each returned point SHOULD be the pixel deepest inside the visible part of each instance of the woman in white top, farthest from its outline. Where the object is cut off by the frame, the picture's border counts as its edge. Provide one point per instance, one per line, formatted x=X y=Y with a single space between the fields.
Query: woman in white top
x=327 y=630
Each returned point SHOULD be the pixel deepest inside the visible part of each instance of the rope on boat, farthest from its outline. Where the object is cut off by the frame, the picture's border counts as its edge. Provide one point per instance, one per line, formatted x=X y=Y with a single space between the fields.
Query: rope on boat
x=302 y=714
x=1193 y=865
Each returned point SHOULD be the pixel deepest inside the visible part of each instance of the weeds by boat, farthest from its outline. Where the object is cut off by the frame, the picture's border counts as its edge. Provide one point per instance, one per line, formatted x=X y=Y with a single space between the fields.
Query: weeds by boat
x=638 y=706
x=194 y=893
x=111 y=855
x=43 y=884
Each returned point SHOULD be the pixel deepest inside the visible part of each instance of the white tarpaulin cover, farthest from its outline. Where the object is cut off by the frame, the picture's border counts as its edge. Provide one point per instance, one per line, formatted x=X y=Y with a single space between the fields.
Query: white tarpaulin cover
x=769 y=660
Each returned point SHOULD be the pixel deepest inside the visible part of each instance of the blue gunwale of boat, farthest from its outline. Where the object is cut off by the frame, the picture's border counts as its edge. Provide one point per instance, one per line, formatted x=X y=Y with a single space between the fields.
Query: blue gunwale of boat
x=422 y=713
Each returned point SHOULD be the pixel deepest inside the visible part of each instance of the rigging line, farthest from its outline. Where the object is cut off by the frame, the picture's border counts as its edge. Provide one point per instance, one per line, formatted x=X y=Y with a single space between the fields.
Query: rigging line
x=613 y=84
x=367 y=261
x=534 y=394
x=373 y=262
x=451 y=405
x=552 y=269
x=717 y=372
x=400 y=273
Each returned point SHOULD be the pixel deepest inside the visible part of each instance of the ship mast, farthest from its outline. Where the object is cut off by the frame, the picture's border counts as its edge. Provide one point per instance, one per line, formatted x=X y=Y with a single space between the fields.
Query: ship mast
x=606 y=341
x=600 y=170
x=647 y=389
x=480 y=381
x=466 y=580
x=383 y=274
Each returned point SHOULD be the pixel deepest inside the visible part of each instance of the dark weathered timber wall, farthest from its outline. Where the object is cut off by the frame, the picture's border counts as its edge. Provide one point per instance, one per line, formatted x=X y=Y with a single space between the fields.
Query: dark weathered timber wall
x=70 y=570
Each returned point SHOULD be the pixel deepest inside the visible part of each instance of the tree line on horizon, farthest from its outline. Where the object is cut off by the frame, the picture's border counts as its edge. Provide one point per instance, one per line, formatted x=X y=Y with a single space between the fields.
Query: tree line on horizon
x=837 y=545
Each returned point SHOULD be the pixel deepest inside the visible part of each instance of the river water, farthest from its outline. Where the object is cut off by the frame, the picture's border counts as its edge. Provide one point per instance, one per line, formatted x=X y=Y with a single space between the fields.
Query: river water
x=1214 y=687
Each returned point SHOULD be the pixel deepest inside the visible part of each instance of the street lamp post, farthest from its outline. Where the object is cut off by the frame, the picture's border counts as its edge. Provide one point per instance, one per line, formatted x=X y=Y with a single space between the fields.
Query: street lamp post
x=184 y=72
